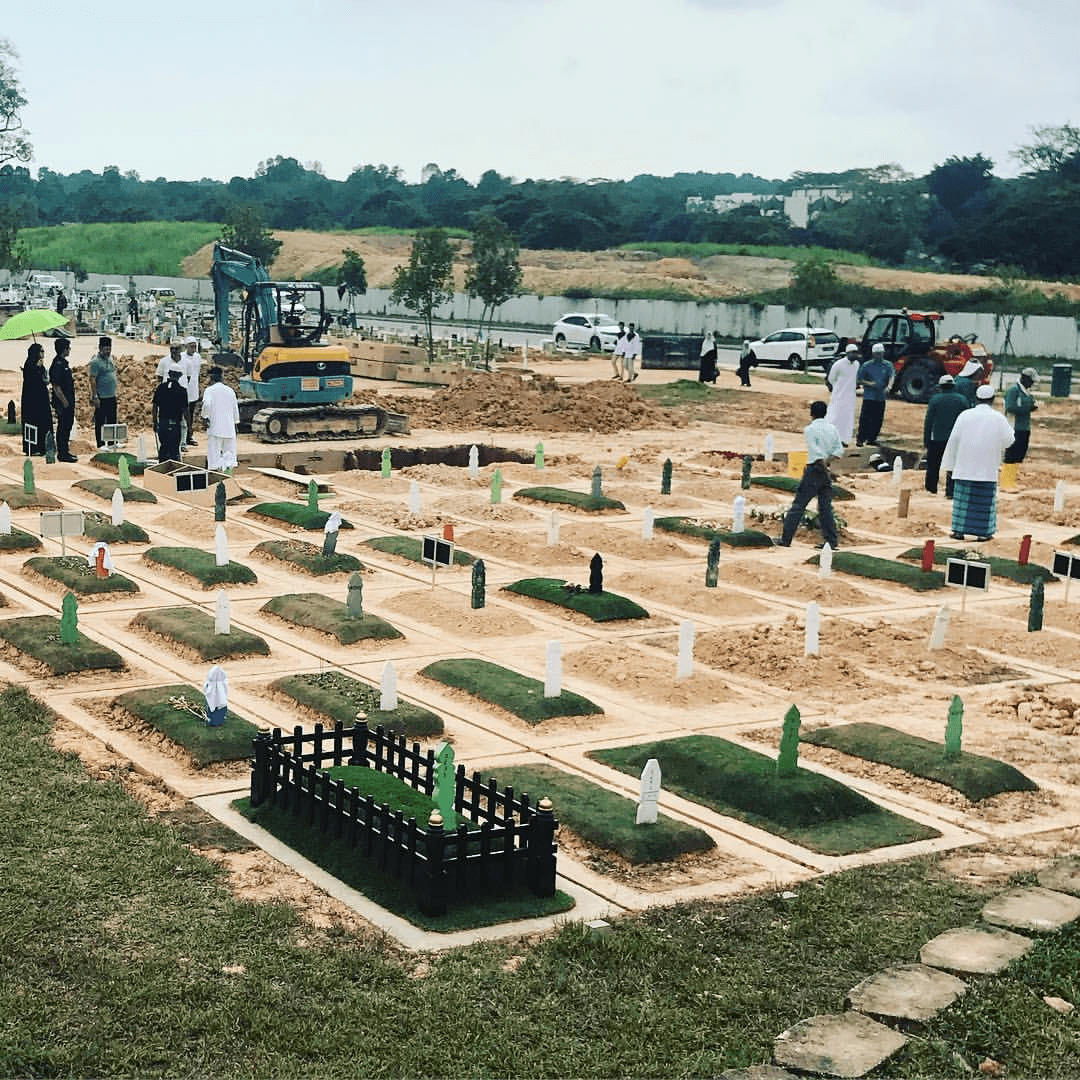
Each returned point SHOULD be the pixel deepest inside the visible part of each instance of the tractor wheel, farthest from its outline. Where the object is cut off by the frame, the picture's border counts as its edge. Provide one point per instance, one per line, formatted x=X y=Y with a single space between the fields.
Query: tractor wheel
x=917 y=382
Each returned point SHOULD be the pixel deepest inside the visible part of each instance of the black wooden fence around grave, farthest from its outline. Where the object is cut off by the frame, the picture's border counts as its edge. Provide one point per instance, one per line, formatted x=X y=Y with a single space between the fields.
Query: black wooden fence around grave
x=515 y=840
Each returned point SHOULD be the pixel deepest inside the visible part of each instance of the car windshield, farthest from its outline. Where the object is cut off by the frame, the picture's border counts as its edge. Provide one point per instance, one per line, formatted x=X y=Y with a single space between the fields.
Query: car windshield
x=826 y=339
x=603 y=320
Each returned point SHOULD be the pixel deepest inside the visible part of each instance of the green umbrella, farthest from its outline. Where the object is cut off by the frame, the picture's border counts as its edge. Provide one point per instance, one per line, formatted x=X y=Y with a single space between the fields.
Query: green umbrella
x=34 y=321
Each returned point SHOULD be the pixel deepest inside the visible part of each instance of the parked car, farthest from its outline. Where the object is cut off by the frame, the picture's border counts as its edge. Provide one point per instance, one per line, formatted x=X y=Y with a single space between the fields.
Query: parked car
x=162 y=296
x=45 y=283
x=595 y=332
x=112 y=294
x=797 y=348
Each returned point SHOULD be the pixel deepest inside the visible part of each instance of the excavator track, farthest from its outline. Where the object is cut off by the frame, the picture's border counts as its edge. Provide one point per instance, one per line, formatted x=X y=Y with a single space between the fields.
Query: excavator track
x=291 y=424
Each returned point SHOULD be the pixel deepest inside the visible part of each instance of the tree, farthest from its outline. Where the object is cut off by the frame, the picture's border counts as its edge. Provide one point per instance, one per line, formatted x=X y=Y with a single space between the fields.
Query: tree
x=1054 y=148
x=244 y=231
x=14 y=145
x=428 y=280
x=14 y=253
x=814 y=284
x=352 y=278
x=959 y=180
x=494 y=275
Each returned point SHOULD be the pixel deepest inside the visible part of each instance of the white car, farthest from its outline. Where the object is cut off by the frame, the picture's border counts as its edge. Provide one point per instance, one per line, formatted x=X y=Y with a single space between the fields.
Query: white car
x=797 y=348
x=43 y=283
x=595 y=332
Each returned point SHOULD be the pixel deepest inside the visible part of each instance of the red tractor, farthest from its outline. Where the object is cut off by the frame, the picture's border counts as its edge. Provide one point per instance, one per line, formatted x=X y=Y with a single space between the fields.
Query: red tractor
x=919 y=359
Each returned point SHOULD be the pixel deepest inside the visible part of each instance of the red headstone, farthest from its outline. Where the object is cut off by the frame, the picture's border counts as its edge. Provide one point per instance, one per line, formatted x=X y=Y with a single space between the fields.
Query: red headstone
x=448 y=532
x=928 y=555
x=1025 y=550
x=99 y=563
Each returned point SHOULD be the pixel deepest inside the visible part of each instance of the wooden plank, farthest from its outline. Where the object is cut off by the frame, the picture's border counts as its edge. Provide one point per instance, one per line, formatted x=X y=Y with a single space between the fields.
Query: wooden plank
x=294 y=478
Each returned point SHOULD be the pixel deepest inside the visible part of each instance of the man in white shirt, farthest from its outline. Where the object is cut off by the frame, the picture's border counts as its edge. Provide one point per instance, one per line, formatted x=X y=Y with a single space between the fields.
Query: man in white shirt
x=973 y=455
x=616 y=356
x=192 y=364
x=222 y=414
x=822 y=444
x=631 y=353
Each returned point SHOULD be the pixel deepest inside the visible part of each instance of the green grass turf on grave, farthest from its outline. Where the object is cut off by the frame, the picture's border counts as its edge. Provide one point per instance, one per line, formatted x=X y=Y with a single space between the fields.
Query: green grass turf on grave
x=578 y=499
x=870 y=566
x=331 y=617
x=604 y=818
x=17 y=540
x=73 y=572
x=517 y=694
x=105 y=487
x=1022 y=573
x=688 y=527
x=10 y=429
x=974 y=776
x=600 y=607
x=201 y=565
x=307 y=557
x=412 y=548
x=386 y=788
x=790 y=483
x=341 y=698
x=110 y=459
x=809 y=809
x=177 y=712
x=337 y=857
x=295 y=514
x=99 y=527
x=17 y=499
x=194 y=629
x=38 y=636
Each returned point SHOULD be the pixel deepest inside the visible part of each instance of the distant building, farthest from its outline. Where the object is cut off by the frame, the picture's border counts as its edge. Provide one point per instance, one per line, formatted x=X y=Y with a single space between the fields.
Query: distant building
x=799 y=207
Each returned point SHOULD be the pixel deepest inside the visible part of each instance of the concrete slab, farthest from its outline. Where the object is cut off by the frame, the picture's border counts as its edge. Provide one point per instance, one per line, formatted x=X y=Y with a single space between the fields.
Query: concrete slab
x=758 y=1072
x=1037 y=909
x=906 y=992
x=1063 y=876
x=974 y=950
x=845 y=1044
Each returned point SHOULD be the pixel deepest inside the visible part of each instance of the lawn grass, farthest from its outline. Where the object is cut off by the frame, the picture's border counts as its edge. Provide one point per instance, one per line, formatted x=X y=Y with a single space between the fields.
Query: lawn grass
x=341 y=697
x=600 y=607
x=605 y=818
x=307 y=558
x=18 y=499
x=200 y=565
x=110 y=459
x=73 y=573
x=193 y=629
x=104 y=487
x=331 y=617
x=18 y=540
x=38 y=636
x=580 y=500
x=412 y=548
x=1010 y=569
x=145 y=963
x=517 y=694
x=168 y=709
x=974 y=776
x=684 y=526
x=295 y=514
x=98 y=527
x=870 y=566
x=791 y=483
x=807 y=808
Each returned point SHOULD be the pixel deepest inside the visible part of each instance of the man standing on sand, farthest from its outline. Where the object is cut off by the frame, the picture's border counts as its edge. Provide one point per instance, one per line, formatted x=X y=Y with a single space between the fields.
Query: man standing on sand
x=965 y=381
x=167 y=412
x=822 y=443
x=841 y=379
x=1019 y=405
x=874 y=378
x=945 y=406
x=192 y=364
x=63 y=398
x=221 y=413
x=102 y=372
x=631 y=353
x=973 y=456
x=616 y=356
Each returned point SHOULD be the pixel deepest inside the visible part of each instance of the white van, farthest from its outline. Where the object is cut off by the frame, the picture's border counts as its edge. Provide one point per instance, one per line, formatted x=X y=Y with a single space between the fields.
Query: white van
x=162 y=296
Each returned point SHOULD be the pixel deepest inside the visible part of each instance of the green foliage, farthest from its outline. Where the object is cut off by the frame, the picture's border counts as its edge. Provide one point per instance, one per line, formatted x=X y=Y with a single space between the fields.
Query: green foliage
x=870 y=566
x=103 y=488
x=517 y=694
x=600 y=607
x=14 y=144
x=111 y=459
x=494 y=273
x=98 y=527
x=688 y=527
x=244 y=231
x=428 y=281
x=73 y=572
x=38 y=636
x=320 y=612
x=814 y=284
x=562 y=496
x=295 y=514
x=201 y=565
x=412 y=548
x=680 y=250
x=18 y=498
x=307 y=557
x=18 y=540
x=191 y=628
x=14 y=250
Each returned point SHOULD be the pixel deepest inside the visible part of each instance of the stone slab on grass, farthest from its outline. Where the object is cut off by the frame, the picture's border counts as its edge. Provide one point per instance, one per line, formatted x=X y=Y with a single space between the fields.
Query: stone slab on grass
x=906 y=992
x=1037 y=909
x=975 y=950
x=758 y=1072
x=1063 y=876
x=844 y=1044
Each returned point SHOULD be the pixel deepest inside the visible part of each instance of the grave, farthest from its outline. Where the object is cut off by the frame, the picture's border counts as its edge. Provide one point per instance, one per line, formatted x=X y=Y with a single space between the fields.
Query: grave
x=188 y=484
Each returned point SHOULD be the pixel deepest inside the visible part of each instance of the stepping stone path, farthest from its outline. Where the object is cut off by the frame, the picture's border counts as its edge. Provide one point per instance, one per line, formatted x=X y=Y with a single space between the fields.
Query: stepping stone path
x=906 y=992
x=975 y=951
x=1040 y=910
x=845 y=1044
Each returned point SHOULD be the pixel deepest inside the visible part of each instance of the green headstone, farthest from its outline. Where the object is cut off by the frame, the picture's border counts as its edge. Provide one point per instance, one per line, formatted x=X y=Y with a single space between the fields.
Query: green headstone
x=665 y=478
x=496 y=487
x=787 y=761
x=443 y=795
x=1038 y=600
x=50 y=448
x=312 y=495
x=354 y=605
x=28 y=477
x=329 y=544
x=69 y=619
x=220 y=500
x=538 y=461
x=747 y=465
x=954 y=727
x=386 y=463
x=479 y=581
x=597 y=483
x=712 y=565
x=124 y=471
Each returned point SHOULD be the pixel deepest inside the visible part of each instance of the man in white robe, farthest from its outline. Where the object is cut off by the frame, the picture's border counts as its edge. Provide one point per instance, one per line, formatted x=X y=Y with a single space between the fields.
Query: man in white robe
x=842 y=379
x=221 y=413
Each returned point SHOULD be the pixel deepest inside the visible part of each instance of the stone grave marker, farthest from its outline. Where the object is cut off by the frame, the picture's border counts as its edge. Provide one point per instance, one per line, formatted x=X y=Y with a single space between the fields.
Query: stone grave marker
x=474 y=462
x=220 y=501
x=222 y=623
x=647 y=519
x=954 y=727
x=117 y=507
x=312 y=495
x=28 y=477
x=11 y=412
x=414 y=497
x=649 y=793
x=50 y=448
x=1035 y=609
x=100 y=559
x=738 y=514
x=684 y=667
x=479 y=583
x=787 y=760
x=596 y=575
x=69 y=619
x=140 y=453
x=1024 y=557
x=1059 y=496
x=221 y=546
x=5 y=519
x=553 y=670
x=941 y=628
x=354 y=603
x=825 y=562
x=496 y=487
x=538 y=460
x=331 y=530
x=769 y=446
x=553 y=528
x=124 y=472
x=747 y=465
x=928 y=556
x=385 y=463
x=597 y=483
x=665 y=478
x=216 y=695
x=897 y=471
x=812 y=644
x=445 y=780
x=712 y=563
x=388 y=688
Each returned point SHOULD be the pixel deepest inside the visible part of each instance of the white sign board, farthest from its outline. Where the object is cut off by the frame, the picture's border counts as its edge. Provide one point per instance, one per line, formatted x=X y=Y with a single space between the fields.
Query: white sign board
x=56 y=524
x=114 y=434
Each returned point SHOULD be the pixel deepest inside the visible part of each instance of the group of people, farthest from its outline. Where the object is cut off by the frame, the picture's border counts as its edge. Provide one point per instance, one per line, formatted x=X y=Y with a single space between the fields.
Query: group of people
x=845 y=377
x=45 y=391
x=627 y=353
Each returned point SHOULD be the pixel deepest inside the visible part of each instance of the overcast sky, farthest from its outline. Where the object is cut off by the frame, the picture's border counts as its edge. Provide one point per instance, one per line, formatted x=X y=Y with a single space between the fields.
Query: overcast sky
x=540 y=88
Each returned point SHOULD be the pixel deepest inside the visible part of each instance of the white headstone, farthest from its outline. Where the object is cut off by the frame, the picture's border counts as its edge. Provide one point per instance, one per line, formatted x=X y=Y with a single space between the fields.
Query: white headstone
x=813 y=627
x=414 y=497
x=388 y=688
x=525 y=354
x=769 y=446
x=5 y=519
x=685 y=666
x=221 y=545
x=1059 y=496
x=647 y=520
x=650 y=793
x=825 y=564
x=553 y=528
x=553 y=670
x=738 y=513
x=141 y=454
x=117 y=507
x=897 y=471
x=221 y=613
x=333 y=522
x=941 y=628
x=106 y=556
x=474 y=462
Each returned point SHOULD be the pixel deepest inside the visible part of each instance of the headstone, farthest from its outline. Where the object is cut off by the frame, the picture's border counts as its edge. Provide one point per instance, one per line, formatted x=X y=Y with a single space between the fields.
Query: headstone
x=596 y=575
x=50 y=448
x=448 y=531
x=813 y=628
x=69 y=620
x=903 y=502
x=738 y=513
x=769 y=446
x=479 y=582
x=140 y=456
x=712 y=563
x=747 y=465
x=553 y=670
x=221 y=546
x=553 y=528
x=216 y=695
x=941 y=628
x=331 y=531
x=11 y=412
x=5 y=519
x=597 y=483
x=414 y=497
x=1025 y=550
x=496 y=487
x=28 y=477
x=928 y=556
x=647 y=519
x=312 y=495
x=684 y=668
x=124 y=472
x=1059 y=496
x=385 y=463
x=787 y=760
x=117 y=507
x=474 y=462
x=825 y=562
x=649 y=793
x=445 y=780
x=354 y=603
x=954 y=727
x=665 y=478
x=897 y=471
x=1035 y=609
x=388 y=688
x=538 y=460
x=221 y=499
x=222 y=623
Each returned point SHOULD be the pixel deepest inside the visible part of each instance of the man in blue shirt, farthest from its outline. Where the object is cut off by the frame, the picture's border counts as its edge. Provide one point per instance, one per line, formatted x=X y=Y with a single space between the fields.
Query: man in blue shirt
x=874 y=378
x=822 y=443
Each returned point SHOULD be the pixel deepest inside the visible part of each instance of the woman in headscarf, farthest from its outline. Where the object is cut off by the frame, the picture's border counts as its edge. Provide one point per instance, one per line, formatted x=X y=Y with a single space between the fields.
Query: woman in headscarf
x=36 y=406
x=707 y=365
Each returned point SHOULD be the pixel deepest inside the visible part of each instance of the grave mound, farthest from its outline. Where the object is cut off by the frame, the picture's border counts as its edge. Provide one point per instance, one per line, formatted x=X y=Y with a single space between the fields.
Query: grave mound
x=317 y=612
x=600 y=607
x=306 y=557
